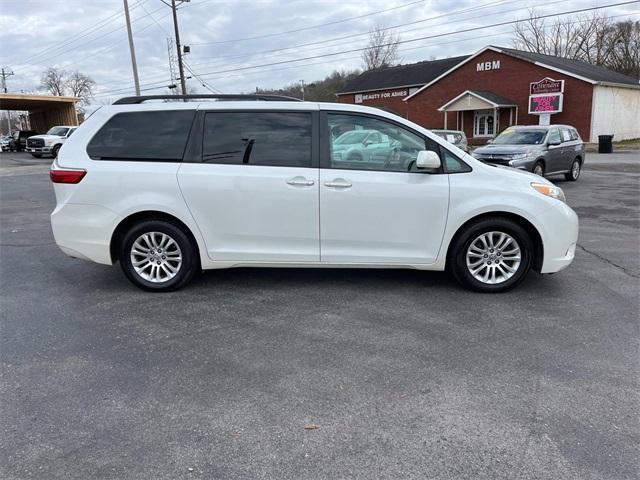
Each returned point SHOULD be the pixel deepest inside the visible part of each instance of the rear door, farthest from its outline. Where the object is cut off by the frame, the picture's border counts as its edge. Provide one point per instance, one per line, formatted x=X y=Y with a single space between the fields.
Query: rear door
x=382 y=211
x=554 y=153
x=254 y=189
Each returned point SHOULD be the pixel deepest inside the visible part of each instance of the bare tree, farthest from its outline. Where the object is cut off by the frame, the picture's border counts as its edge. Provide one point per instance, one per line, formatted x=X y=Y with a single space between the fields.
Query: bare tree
x=625 y=51
x=382 y=49
x=592 y=38
x=80 y=85
x=53 y=81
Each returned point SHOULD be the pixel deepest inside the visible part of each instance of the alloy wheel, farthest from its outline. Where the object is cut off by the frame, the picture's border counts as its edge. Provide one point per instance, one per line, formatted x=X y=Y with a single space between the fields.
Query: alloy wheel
x=156 y=257
x=493 y=257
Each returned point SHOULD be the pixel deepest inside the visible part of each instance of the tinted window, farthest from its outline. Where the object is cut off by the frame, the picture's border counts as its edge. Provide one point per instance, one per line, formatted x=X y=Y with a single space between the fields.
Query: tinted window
x=152 y=136
x=453 y=164
x=395 y=151
x=258 y=138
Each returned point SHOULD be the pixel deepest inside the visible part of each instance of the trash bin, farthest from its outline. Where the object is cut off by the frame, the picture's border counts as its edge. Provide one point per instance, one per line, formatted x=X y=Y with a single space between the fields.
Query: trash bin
x=605 y=143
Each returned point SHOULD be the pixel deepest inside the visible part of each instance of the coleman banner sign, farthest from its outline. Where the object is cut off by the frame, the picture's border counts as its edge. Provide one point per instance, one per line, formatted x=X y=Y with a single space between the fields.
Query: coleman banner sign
x=546 y=85
x=546 y=96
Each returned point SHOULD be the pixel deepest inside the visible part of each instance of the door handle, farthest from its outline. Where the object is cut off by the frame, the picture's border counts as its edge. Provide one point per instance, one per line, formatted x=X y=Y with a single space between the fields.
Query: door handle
x=300 y=182
x=338 y=183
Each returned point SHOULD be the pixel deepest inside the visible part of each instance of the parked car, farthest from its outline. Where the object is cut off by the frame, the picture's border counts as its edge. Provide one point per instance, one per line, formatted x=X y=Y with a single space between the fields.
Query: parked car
x=49 y=143
x=543 y=150
x=5 y=143
x=169 y=189
x=455 y=137
x=18 y=140
x=355 y=146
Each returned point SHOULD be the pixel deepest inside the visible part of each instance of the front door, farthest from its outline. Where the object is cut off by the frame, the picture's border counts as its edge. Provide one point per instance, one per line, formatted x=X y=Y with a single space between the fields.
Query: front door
x=254 y=195
x=554 y=156
x=383 y=210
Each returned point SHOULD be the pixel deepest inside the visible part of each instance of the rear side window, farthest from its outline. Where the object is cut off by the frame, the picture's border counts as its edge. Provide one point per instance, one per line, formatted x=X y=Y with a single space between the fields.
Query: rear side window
x=566 y=135
x=143 y=136
x=279 y=139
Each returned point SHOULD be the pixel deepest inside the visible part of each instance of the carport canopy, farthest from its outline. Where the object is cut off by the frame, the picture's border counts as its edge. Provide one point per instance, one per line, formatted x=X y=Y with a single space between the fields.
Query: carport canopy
x=45 y=111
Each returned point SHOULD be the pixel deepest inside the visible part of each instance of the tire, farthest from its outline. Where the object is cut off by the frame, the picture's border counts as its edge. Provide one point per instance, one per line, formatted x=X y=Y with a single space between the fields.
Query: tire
x=538 y=168
x=465 y=252
x=574 y=173
x=354 y=157
x=36 y=155
x=181 y=259
x=55 y=150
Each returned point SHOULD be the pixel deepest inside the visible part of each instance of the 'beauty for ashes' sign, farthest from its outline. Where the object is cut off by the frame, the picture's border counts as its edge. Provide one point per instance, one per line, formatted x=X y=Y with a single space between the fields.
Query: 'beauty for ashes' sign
x=546 y=96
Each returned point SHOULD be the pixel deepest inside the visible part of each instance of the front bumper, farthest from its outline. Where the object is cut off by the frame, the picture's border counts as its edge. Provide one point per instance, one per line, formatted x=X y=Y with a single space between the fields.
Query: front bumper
x=39 y=149
x=558 y=227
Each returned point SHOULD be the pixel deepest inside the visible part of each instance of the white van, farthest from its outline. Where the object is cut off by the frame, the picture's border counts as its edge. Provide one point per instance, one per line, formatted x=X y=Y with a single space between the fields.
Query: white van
x=170 y=189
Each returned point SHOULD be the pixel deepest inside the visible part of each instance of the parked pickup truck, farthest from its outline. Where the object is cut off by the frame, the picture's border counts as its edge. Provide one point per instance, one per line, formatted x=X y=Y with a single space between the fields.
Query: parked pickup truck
x=49 y=143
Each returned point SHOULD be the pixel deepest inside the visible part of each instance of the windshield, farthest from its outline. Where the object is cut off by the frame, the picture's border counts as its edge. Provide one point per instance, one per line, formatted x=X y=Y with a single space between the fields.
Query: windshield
x=512 y=136
x=349 y=138
x=59 y=131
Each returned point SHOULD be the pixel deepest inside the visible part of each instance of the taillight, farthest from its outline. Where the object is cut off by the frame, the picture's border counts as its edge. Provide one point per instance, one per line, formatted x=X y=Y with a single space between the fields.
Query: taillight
x=67 y=176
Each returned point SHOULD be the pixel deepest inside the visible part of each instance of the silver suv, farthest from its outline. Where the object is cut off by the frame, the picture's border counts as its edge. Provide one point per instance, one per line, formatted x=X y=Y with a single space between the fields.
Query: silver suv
x=544 y=150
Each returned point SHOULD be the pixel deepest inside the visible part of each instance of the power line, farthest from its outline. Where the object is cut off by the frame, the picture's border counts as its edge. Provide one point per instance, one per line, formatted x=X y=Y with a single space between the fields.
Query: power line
x=458 y=12
x=268 y=35
x=475 y=9
x=401 y=42
x=472 y=29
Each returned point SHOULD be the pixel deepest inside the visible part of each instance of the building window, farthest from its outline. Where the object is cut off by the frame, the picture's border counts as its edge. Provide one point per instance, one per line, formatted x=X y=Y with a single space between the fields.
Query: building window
x=483 y=123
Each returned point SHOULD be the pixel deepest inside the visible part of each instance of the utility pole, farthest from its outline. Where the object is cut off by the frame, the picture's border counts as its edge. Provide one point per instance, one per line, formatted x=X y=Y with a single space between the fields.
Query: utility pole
x=132 y=49
x=6 y=74
x=302 y=86
x=183 y=84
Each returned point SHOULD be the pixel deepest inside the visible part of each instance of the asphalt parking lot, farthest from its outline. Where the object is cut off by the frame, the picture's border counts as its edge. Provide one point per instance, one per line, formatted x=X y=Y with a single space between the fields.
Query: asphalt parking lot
x=405 y=374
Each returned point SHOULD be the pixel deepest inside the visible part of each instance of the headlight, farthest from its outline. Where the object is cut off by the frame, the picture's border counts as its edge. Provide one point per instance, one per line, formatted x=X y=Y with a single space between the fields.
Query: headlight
x=519 y=156
x=549 y=190
x=48 y=142
x=337 y=156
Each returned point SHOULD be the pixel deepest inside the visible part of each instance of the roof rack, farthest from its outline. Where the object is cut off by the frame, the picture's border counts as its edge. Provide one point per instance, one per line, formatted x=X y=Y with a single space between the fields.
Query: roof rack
x=221 y=96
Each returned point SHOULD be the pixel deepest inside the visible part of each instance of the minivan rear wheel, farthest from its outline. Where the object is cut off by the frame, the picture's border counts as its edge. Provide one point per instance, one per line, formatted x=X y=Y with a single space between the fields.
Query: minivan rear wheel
x=158 y=256
x=492 y=255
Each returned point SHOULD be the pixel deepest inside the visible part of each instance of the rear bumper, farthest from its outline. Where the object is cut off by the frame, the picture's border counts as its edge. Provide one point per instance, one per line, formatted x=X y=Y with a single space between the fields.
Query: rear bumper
x=559 y=234
x=84 y=231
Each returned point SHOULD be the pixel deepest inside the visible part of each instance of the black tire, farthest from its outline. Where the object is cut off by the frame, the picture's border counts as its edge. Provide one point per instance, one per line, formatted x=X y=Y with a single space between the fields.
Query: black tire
x=573 y=174
x=538 y=168
x=189 y=252
x=36 y=155
x=55 y=150
x=354 y=157
x=457 y=261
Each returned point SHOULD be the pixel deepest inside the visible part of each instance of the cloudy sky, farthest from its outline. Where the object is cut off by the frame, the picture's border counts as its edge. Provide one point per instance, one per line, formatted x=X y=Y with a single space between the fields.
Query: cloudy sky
x=237 y=45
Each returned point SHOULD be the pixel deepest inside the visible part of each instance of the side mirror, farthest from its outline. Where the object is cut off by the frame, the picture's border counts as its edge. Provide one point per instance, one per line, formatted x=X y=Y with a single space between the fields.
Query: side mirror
x=555 y=142
x=489 y=141
x=428 y=159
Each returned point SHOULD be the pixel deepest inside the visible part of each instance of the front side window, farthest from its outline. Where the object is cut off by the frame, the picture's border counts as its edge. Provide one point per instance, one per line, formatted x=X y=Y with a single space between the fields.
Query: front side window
x=554 y=136
x=359 y=142
x=279 y=139
x=143 y=136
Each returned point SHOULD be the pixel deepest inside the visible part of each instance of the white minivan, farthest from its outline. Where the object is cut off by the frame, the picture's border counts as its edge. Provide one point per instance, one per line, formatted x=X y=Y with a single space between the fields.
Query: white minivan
x=170 y=189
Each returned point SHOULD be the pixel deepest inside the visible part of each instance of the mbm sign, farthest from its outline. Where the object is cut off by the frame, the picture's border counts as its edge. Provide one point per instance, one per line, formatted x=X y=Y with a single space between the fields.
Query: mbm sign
x=485 y=66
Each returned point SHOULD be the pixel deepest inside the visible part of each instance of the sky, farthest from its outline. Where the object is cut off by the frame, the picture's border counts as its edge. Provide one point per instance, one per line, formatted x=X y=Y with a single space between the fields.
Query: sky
x=238 y=45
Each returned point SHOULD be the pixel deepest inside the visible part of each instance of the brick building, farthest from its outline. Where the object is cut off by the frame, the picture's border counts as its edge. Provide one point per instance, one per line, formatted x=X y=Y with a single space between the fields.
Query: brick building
x=496 y=87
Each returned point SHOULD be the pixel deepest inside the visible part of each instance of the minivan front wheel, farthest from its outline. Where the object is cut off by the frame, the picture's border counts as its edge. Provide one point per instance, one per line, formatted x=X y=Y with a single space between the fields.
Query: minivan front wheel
x=158 y=256
x=492 y=255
